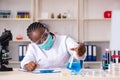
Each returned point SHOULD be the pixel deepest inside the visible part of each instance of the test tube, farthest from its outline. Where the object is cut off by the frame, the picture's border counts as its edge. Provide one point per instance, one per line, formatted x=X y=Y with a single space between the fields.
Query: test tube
x=108 y=55
x=111 y=59
x=114 y=61
x=116 y=58
x=119 y=57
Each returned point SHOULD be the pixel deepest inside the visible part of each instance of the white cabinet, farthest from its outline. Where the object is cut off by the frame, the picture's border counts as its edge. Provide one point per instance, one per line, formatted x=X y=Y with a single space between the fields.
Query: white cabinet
x=85 y=21
x=17 y=25
x=96 y=27
x=45 y=9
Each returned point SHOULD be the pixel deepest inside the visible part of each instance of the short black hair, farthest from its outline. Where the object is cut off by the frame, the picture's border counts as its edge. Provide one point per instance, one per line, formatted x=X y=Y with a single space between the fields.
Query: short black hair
x=35 y=25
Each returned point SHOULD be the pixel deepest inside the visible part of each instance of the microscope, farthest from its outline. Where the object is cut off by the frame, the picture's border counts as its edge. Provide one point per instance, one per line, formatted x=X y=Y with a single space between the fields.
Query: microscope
x=4 y=43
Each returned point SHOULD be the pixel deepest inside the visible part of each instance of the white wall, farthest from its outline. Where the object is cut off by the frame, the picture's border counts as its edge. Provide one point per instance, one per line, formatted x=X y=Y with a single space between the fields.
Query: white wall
x=115 y=31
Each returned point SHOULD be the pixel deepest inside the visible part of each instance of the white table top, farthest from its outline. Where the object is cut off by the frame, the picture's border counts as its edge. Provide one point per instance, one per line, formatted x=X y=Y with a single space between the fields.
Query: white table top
x=90 y=74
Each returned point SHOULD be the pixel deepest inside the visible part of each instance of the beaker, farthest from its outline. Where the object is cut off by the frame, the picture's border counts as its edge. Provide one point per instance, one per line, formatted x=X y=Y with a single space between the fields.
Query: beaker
x=75 y=65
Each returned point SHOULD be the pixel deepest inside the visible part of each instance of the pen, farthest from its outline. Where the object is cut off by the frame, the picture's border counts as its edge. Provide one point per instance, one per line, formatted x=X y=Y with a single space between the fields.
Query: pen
x=37 y=65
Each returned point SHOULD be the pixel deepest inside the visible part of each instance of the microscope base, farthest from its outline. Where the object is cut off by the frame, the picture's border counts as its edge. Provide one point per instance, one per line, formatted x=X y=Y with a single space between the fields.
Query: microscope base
x=4 y=68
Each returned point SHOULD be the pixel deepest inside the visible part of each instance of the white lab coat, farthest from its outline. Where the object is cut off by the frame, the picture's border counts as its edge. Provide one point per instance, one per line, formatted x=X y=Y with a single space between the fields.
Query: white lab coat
x=56 y=57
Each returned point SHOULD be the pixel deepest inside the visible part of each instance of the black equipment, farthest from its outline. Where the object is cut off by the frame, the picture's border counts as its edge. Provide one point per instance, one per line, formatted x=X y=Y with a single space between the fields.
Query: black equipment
x=4 y=43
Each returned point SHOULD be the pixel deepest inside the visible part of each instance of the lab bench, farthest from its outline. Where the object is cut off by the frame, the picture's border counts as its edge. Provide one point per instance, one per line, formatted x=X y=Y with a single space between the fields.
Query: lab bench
x=86 y=74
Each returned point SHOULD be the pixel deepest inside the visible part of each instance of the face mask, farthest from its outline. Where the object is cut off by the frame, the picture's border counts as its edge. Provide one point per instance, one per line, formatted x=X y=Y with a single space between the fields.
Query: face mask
x=47 y=44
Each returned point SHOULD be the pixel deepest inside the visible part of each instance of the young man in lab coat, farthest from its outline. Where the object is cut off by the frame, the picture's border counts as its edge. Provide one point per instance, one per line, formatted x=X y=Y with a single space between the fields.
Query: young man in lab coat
x=48 y=50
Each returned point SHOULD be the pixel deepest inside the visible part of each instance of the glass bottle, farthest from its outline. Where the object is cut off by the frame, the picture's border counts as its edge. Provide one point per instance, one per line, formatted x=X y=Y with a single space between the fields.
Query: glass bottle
x=104 y=62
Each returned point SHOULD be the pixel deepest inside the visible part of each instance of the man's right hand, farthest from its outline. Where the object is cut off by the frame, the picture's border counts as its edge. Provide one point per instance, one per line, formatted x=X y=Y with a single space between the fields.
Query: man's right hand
x=30 y=66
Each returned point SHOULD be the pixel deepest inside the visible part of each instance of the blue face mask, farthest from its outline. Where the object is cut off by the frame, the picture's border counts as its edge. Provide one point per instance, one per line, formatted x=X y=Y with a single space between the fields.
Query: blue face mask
x=47 y=44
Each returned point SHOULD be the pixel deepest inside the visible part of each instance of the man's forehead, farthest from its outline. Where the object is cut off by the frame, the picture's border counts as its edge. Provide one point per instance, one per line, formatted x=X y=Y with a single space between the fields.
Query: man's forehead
x=35 y=33
x=39 y=30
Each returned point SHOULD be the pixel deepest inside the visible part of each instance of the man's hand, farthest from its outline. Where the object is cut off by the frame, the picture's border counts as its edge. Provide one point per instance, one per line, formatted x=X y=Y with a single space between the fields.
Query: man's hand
x=30 y=66
x=80 y=50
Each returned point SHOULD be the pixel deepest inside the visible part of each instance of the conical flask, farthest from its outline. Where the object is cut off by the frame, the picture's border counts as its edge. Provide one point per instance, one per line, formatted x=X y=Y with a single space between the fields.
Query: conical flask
x=75 y=65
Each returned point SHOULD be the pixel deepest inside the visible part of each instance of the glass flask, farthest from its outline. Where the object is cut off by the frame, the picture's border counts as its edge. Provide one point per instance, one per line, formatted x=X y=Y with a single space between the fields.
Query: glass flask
x=74 y=65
